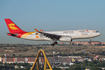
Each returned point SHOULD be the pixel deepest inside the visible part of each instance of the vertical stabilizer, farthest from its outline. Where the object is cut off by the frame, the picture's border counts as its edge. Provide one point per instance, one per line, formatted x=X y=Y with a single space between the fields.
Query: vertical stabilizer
x=13 y=28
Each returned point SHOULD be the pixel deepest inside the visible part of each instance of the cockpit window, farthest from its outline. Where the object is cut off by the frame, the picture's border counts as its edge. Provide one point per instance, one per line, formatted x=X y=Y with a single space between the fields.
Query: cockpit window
x=97 y=31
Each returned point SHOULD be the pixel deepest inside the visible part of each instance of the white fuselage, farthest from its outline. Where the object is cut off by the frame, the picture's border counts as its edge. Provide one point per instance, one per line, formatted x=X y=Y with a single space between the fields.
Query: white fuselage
x=66 y=35
x=73 y=34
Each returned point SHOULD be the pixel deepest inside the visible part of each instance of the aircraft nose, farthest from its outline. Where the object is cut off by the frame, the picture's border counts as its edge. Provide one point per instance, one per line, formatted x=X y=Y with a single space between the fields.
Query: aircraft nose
x=99 y=33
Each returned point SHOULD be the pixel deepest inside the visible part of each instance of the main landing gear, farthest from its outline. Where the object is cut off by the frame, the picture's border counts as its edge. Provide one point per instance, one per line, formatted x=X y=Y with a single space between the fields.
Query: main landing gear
x=54 y=43
x=70 y=43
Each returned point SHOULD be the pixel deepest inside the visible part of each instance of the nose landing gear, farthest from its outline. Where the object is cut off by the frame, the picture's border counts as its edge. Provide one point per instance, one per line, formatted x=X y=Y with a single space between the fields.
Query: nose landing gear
x=90 y=41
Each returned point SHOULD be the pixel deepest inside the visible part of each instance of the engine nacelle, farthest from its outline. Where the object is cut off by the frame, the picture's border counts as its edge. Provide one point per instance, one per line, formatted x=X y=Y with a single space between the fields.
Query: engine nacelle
x=65 y=39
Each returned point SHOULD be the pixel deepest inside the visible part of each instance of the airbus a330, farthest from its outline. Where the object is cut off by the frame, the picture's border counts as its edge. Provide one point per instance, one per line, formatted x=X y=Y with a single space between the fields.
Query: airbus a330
x=66 y=35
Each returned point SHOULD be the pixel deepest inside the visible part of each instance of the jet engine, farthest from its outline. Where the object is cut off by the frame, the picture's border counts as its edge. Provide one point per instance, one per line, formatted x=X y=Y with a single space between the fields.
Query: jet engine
x=65 y=39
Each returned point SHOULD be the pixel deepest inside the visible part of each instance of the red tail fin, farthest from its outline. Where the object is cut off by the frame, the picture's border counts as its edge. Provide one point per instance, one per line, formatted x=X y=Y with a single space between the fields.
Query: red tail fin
x=13 y=28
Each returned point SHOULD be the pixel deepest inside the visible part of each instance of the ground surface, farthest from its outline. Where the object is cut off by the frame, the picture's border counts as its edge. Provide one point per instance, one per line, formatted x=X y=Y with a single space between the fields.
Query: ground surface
x=32 y=50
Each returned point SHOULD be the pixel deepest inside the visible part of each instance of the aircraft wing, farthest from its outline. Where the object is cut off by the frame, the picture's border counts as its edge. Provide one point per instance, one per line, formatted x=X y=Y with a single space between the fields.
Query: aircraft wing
x=51 y=36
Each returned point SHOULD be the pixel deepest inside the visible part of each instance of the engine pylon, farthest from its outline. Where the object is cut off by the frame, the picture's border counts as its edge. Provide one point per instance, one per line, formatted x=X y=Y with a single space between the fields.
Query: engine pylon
x=46 y=62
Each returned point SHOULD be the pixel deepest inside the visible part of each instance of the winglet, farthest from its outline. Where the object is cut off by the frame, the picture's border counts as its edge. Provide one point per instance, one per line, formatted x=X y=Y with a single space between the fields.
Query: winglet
x=36 y=30
x=41 y=30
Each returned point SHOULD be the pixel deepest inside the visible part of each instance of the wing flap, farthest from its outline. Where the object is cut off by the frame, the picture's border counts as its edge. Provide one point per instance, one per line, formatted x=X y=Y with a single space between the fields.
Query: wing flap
x=51 y=36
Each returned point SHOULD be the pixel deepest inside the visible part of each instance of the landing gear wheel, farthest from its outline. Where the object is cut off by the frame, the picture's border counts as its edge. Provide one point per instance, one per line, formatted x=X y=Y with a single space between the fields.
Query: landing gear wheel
x=54 y=43
x=90 y=41
x=70 y=42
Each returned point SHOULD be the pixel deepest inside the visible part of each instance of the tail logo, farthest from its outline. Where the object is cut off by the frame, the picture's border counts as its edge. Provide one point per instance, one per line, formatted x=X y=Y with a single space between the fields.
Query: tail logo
x=12 y=26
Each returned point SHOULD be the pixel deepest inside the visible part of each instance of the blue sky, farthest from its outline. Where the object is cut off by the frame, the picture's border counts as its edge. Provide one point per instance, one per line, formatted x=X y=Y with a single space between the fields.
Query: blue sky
x=51 y=15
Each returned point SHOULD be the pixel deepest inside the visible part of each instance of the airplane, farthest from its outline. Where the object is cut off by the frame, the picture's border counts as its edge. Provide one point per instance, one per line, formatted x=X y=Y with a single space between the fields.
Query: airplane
x=65 y=36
